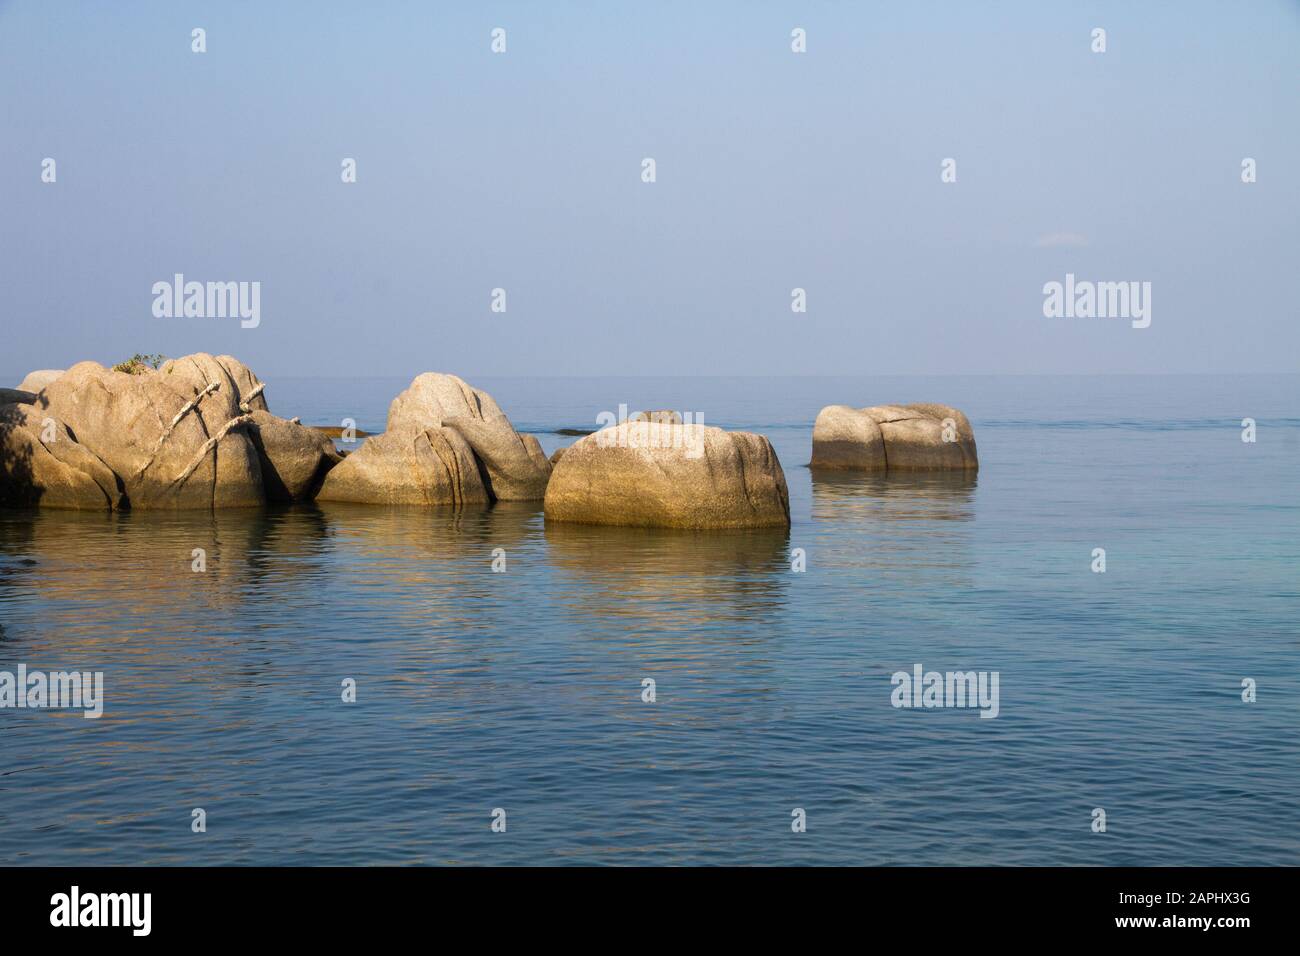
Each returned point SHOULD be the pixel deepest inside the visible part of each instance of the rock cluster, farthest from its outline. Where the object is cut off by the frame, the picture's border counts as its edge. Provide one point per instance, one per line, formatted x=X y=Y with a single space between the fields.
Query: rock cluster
x=195 y=433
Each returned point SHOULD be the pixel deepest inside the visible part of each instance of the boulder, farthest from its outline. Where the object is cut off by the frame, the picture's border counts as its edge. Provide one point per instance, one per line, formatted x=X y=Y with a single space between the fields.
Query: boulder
x=294 y=458
x=408 y=466
x=42 y=464
x=514 y=468
x=845 y=437
x=35 y=381
x=648 y=474
x=173 y=442
x=918 y=437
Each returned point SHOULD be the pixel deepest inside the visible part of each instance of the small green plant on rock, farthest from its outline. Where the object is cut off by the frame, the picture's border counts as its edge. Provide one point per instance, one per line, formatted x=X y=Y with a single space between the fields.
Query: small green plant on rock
x=137 y=364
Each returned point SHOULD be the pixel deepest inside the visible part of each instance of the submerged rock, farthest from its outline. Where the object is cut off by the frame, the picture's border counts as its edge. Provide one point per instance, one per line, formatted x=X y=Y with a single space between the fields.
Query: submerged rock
x=650 y=474
x=917 y=437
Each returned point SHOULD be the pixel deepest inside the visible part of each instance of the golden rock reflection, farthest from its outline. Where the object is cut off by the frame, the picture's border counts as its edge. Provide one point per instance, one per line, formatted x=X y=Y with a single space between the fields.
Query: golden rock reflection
x=204 y=560
x=117 y=590
x=898 y=524
x=431 y=568
x=668 y=579
x=940 y=495
x=131 y=581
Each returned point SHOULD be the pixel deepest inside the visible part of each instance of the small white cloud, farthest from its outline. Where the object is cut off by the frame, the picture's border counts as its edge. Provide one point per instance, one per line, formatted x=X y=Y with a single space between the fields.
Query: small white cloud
x=1061 y=240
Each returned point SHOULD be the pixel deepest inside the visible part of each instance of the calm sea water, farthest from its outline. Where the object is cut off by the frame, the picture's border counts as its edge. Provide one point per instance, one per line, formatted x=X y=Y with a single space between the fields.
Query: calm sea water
x=522 y=690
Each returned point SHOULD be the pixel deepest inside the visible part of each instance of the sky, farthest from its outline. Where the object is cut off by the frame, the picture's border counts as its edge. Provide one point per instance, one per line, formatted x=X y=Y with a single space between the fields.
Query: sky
x=775 y=170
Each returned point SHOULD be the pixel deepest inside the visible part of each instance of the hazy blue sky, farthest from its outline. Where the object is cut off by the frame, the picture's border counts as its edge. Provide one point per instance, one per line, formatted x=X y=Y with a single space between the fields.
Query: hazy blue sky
x=775 y=170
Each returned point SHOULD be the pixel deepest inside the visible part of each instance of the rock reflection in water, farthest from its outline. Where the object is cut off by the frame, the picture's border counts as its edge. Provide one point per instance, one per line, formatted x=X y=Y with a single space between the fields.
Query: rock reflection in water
x=905 y=524
x=666 y=579
x=128 y=564
x=432 y=567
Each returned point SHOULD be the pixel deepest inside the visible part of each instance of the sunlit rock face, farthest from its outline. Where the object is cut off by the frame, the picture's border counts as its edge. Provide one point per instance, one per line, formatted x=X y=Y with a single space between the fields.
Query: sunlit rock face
x=41 y=465
x=514 y=466
x=195 y=433
x=408 y=465
x=170 y=448
x=35 y=381
x=918 y=437
x=662 y=475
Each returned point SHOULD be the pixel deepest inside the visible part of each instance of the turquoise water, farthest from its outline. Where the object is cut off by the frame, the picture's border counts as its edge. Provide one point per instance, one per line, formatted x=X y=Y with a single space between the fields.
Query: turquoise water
x=522 y=689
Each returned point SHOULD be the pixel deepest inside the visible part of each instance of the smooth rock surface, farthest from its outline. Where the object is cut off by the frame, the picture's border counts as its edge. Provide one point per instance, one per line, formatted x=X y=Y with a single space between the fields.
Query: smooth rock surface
x=917 y=437
x=845 y=437
x=408 y=466
x=646 y=474
x=41 y=465
x=35 y=381
x=169 y=451
x=514 y=469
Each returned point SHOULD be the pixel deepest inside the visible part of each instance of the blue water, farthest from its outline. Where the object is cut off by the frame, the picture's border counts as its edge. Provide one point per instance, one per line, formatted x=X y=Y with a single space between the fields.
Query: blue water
x=522 y=690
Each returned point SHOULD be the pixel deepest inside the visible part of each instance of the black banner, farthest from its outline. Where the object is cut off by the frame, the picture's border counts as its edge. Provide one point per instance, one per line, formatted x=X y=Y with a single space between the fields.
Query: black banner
x=339 y=905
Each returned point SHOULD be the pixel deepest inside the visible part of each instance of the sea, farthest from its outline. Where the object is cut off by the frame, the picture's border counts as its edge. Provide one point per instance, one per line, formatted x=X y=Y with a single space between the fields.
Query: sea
x=360 y=685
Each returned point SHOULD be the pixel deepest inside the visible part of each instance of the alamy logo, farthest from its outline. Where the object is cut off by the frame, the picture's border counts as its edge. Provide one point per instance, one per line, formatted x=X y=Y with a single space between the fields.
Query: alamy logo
x=179 y=299
x=658 y=429
x=1098 y=300
x=952 y=689
x=56 y=690
x=103 y=909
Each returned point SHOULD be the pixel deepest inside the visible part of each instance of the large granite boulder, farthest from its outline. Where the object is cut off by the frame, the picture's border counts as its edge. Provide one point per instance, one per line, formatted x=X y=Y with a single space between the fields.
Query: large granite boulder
x=514 y=467
x=652 y=474
x=918 y=437
x=195 y=433
x=408 y=466
x=35 y=381
x=42 y=464
x=292 y=458
x=174 y=443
